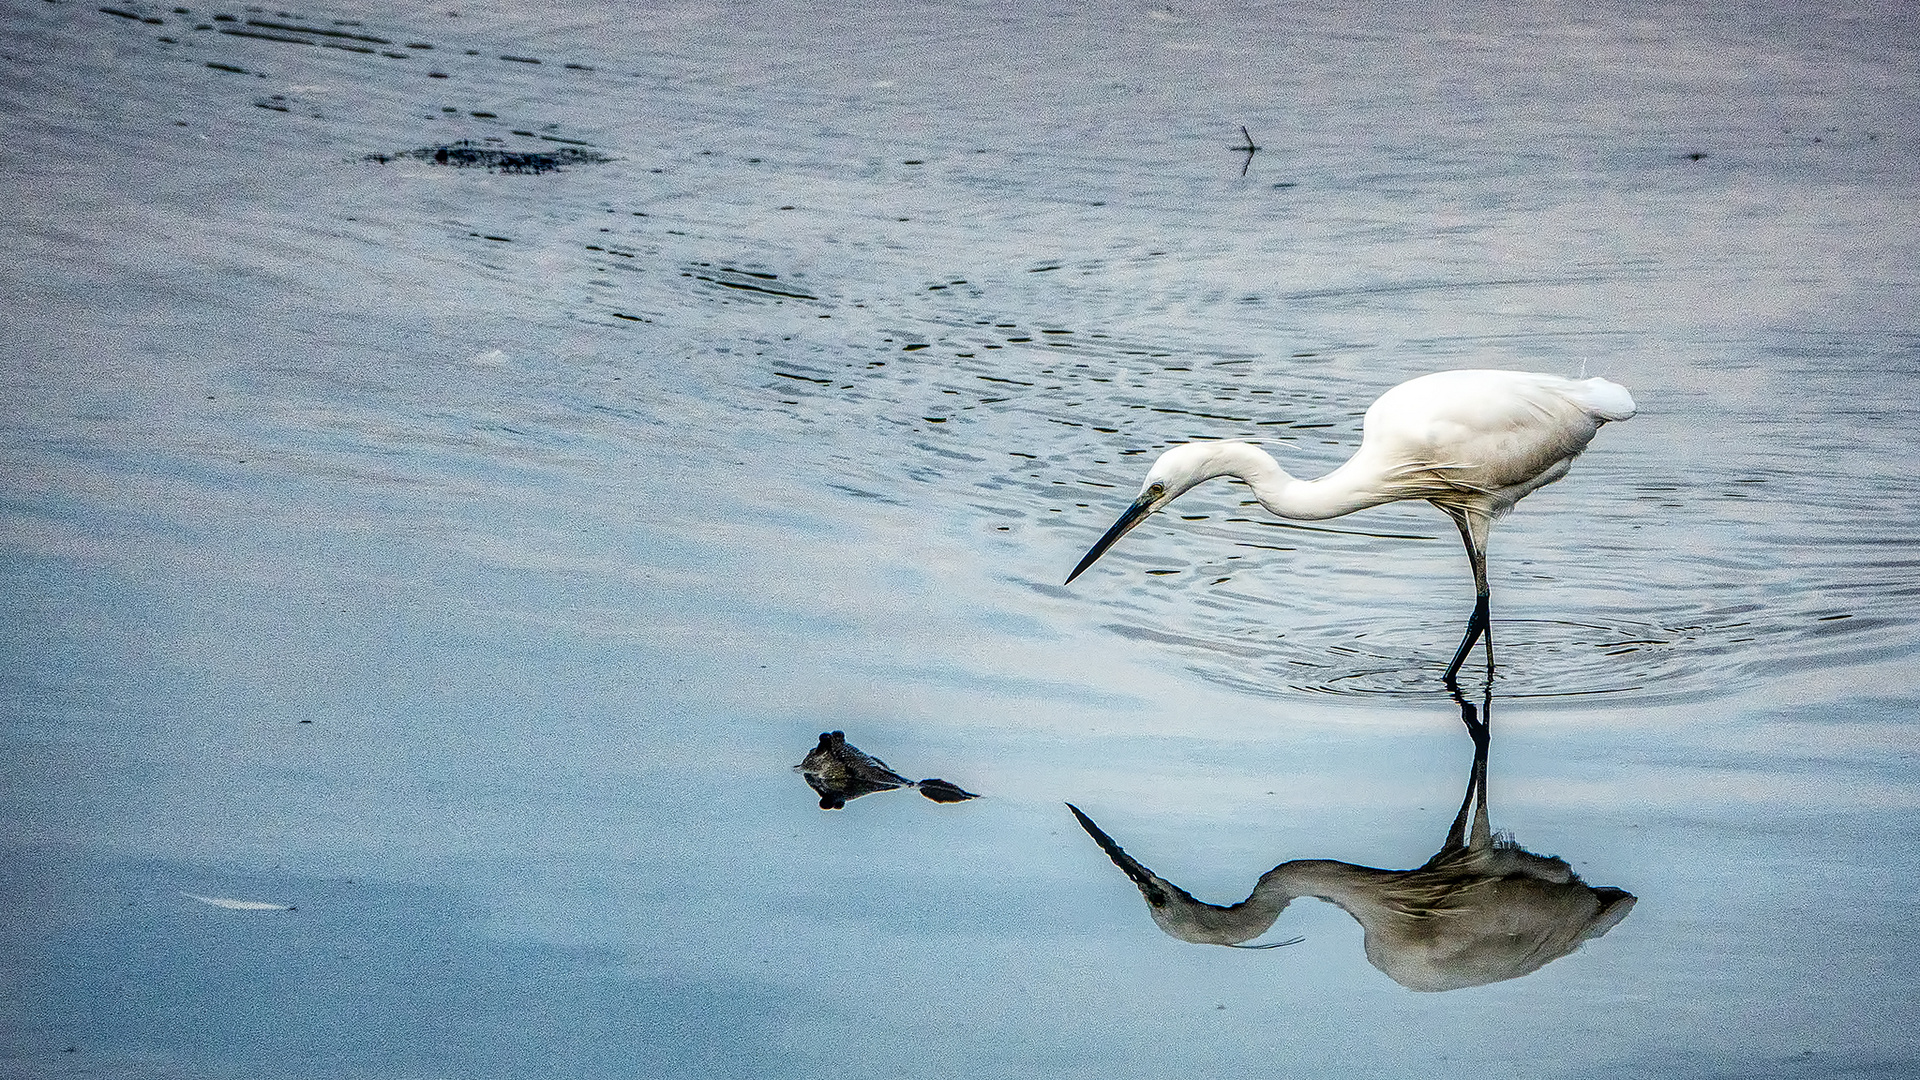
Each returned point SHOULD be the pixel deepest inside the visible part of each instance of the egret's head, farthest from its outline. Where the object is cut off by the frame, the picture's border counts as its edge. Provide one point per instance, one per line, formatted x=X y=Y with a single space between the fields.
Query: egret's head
x=1177 y=472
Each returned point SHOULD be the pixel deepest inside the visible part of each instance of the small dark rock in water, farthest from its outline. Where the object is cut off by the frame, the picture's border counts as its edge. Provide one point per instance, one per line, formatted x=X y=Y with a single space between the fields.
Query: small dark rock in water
x=839 y=772
x=469 y=155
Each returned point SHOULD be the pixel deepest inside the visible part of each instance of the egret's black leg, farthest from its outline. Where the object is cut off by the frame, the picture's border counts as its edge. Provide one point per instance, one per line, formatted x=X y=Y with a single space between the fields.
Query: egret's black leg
x=1473 y=532
x=1476 y=629
x=1479 y=729
x=1482 y=834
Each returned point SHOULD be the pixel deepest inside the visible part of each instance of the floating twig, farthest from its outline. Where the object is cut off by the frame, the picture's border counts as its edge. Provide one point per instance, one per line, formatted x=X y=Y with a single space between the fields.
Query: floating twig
x=1247 y=147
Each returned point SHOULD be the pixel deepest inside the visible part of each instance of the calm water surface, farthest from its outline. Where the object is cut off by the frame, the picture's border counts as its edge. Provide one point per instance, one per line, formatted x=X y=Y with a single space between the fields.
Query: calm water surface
x=419 y=581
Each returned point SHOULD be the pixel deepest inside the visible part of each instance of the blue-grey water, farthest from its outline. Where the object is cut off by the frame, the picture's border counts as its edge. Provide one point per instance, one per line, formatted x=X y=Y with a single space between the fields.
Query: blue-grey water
x=418 y=581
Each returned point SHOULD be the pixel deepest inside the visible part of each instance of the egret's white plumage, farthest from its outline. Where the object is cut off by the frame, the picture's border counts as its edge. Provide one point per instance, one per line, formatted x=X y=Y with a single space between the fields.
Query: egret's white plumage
x=1472 y=443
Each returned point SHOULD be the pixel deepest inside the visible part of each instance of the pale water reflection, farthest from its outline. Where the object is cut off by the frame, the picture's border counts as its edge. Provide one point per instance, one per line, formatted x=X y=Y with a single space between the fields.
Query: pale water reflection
x=1482 y=910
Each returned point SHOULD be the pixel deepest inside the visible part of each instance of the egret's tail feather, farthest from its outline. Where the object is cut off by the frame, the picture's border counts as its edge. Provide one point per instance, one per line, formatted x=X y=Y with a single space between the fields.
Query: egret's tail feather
x=1606 y=400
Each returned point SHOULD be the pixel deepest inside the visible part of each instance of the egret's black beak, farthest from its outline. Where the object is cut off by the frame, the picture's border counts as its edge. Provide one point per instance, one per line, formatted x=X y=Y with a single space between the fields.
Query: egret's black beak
x=1134 y=515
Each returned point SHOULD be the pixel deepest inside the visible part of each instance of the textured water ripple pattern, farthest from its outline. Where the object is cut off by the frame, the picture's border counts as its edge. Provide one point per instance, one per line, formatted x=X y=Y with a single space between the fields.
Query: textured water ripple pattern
x=967 y=318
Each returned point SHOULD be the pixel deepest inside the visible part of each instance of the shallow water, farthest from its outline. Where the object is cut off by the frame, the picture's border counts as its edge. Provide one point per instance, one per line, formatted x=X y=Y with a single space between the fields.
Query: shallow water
x=462 y=558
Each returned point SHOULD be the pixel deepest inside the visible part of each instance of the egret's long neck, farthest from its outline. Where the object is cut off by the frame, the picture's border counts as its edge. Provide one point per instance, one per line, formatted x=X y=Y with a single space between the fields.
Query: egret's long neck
x=1342 y=491
x=1343 y=884
x=1180 y=915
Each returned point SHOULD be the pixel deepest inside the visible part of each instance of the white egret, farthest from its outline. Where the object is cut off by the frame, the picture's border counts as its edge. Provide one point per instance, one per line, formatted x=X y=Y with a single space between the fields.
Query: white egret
x=1472 y=443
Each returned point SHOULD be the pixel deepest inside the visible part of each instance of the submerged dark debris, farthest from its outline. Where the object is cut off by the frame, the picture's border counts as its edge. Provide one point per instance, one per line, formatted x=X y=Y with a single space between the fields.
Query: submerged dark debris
x=471 y=155
x=840 y=772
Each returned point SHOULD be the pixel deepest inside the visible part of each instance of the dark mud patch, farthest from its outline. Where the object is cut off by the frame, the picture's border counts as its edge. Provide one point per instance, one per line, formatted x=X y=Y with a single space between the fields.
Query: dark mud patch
x=471 y=155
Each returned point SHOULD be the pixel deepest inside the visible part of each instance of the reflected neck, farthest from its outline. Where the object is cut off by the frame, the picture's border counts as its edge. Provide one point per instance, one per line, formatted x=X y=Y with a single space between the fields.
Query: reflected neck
x=1338 y=883
x=1188 y=919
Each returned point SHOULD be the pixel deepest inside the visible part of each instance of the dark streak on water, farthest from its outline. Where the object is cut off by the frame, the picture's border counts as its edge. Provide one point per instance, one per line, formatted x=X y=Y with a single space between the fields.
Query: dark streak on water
x=467 y=155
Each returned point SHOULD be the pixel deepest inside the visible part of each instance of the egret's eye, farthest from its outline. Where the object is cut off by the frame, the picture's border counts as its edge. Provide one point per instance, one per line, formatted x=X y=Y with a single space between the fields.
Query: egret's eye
x=1156 y=489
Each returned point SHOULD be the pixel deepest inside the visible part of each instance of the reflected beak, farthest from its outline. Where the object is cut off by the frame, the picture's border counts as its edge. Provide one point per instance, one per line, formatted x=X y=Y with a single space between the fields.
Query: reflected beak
x=1135 y=514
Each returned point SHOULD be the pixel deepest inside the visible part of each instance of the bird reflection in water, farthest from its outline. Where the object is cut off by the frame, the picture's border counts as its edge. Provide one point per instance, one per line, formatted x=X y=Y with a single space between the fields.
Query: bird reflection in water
x=840 y=772
x=1480 y=911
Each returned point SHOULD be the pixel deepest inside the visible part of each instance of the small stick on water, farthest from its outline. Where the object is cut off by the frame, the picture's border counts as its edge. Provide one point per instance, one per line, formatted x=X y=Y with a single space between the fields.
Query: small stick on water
x=1248 y=148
